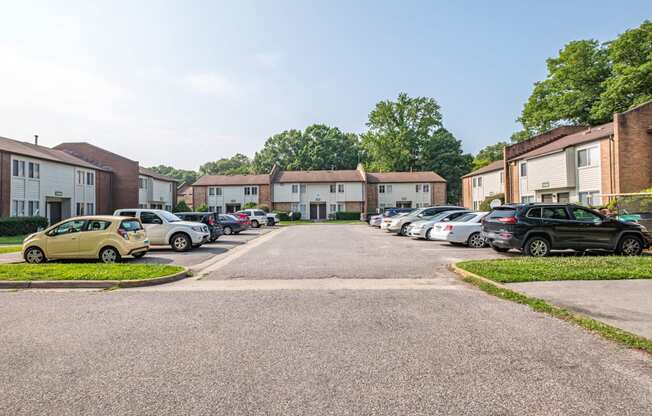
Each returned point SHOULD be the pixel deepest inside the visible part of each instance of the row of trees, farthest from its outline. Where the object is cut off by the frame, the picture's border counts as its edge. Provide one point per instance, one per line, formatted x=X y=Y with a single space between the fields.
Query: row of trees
x=587 y=83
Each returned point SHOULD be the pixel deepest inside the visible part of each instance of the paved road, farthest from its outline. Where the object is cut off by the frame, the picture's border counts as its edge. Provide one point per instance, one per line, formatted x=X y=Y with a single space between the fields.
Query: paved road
x=447 y=350
x=345 y=251
x=626 y=304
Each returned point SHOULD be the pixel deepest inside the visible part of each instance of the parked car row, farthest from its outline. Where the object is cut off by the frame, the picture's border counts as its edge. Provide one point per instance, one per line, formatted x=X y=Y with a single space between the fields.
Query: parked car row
x=533 y=229
x=131 y=232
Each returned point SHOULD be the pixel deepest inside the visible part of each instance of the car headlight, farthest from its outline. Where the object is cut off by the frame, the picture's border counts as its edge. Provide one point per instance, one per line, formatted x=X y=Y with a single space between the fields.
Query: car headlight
x=197 y=228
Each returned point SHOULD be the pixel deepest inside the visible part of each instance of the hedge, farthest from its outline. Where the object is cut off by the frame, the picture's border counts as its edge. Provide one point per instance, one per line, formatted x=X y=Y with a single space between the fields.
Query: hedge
x=285 y=216
x=10 y=226
x=347 y=215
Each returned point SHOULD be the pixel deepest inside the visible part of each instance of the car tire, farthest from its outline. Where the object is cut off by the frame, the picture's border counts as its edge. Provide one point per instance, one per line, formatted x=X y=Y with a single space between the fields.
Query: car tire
x=254 y=224
x=35 y=255
x=110 y=255
x=428 y=233
x=475 y=240
x=537 y=247
x=180 y=242
x=139 y=255
x=630 y=245
x=227 y=230
x=500 y=249
x=213 y=239
x=404 y=228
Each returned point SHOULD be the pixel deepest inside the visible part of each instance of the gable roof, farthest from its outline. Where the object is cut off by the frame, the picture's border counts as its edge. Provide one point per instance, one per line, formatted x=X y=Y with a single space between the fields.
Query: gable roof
x=226 y=180
x=492 y=167
x=585 y=136
x=288 y=176
x=44 y=153
x=148 y=172
x=403 y=177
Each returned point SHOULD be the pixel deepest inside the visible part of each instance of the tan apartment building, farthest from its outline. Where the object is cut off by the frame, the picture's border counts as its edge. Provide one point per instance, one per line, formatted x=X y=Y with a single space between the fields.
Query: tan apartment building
x=577 y=164
x=483 y=183
x=320 y=194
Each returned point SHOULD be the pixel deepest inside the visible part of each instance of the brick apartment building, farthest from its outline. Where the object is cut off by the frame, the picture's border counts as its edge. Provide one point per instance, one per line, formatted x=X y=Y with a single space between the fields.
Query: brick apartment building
x=317 y=194
x=574 y=164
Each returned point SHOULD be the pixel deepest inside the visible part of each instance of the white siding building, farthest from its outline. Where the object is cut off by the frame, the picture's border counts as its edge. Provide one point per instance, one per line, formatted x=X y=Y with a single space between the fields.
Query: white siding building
x=156 y=191
x=483 y=183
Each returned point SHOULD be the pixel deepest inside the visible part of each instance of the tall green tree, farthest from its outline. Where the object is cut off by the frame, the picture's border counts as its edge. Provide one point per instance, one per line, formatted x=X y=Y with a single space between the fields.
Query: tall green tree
x=573 y=86
x=236 y=164
x=399 y=131
x=489 y=154
x=630 y=82
x=318 y=147
x=187 y=176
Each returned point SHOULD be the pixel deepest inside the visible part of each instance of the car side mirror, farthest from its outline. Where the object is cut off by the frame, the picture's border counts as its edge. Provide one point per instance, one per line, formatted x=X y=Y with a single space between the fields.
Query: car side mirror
x=446 y=220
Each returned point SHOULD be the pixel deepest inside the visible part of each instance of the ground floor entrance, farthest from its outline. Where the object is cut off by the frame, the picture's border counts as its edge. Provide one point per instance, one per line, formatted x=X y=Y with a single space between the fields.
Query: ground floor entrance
x=230 y=208
x=317 y=210
x=57 y=209
x=403 y=204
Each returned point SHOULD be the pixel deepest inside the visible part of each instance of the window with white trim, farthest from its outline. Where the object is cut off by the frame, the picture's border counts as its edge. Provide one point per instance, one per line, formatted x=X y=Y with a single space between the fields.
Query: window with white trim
x=90 y=208
x=333 y=207
x=80 y=178
x=80 y=208
x=90 y=178
x=254 y=190
x=340 y=188
x=33 y=208
x=389 y=189
x=295 y=188
x=587 y=157
x=502 y=177
x=340 y=207
x=211 y=191
x=589 y=198
x=302 y=188
x=18 y=208
x=426 y=187
x=332 y=188
x=142 y=183
x=417 y=187
x=523 y=169
x=34 y=170
x=18 y=168
x=381 y=189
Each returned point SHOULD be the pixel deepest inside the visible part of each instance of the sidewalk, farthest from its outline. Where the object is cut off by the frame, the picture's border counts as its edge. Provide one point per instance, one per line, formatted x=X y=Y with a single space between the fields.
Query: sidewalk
x=11 y=258
x=626 y=304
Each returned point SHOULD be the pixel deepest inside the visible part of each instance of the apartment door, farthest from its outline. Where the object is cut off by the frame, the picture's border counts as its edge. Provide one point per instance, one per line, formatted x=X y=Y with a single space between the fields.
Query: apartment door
x=54 y=211
x=563 y=197
x=403 y=204
x=318 y=211
x=230 y=208
x=546 y=198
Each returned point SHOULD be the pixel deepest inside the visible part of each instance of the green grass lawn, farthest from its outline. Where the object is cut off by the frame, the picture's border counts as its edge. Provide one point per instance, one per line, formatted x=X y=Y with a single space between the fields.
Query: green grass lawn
x=84 y=271
x=561 y=268
x=13 y=239
x=305 y=222
x=10 y=249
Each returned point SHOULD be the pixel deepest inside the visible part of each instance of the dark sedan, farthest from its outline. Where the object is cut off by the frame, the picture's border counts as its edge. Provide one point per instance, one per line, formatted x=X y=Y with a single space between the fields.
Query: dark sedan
x=232 y=224
x=209 y=218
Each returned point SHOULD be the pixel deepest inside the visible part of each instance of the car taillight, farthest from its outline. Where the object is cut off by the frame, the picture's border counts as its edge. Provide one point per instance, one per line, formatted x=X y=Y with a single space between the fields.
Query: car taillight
x=124 y=234
x=211 y=221
x=507 y=220
x=448 y=227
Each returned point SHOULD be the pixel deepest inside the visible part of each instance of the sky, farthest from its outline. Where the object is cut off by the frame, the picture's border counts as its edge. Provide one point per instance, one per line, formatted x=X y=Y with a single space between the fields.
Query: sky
x=185 y=82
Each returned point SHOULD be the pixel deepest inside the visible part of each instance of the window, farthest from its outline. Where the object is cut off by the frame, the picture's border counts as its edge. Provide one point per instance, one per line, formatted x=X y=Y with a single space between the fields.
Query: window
x=150 y=218
x=80 y=209
x=418 y=187
x=33 y=208
x=475 y=182
x=168 y=208
x=389 y=189
x=585 y=215
x=587 y=157
x=502 y=177
x=90 y=208
x=80 y=177
x=340 y=188
x=74 y=226
x=295 y=189
x=142 y=183
x=98 y=225
x=90 y=178
x=302 y=188
x=479 y=181
x=340 y=207
x=426 y=187
x=332 y=188
x=333 y=207
x=211 y=209
x=18 y=209
x=523 y=169
x=589 y=198
x=34 y=170
x=247 y=190
x=254 y=190
x=211 y=191
x=527 y=199
x=554 y=213
x=19 y=168
x=381 y=189
x=418 y=205
x=294 y=207
x=142 y=205
x=218 y=209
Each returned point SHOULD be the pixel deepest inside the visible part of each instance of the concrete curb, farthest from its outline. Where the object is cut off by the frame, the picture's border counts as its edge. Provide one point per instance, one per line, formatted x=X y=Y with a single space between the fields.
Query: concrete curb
x=92 y=284
x=463 y=273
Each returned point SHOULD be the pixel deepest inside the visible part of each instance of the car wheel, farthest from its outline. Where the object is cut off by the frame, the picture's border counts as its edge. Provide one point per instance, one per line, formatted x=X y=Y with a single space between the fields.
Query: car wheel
x=428 y=233
x=109 y=255
x=35 y=255
x=139 y=255
x=630 y=246
x=403 y=231
x=255 y=224
x=213 y=239
x=475 y=241
x=500 y=249
x=537 y=247
x=180 y=242
x=227 y=230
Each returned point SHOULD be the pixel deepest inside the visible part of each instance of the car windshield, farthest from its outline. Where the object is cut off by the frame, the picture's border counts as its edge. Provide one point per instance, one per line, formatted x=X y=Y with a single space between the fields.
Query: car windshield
x=441 y=216
x=465 y=218
x=169 y=217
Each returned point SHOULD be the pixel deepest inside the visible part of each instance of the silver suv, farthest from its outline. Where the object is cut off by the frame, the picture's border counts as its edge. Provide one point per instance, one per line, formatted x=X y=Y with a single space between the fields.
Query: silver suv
x=399 y=225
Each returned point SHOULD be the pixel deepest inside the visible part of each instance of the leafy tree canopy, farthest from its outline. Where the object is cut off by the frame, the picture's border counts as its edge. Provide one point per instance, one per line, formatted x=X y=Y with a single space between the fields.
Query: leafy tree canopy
x=235 y=165
x=318 y=147
x=187 y=176
x=489 y=154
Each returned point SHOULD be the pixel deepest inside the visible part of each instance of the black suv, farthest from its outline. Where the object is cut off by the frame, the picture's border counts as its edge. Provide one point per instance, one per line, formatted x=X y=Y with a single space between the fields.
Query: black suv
x=211 y=219
x=535 y=229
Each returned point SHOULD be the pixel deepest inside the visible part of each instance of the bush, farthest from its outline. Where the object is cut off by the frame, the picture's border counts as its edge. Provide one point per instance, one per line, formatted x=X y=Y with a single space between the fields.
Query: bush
x=181 y=207
x=202 y=208
x=484 y=206
x=263 y=207
x=250 y=205
x=282 y=215
x=21 y=225
x=347 y=215
x=295 y=216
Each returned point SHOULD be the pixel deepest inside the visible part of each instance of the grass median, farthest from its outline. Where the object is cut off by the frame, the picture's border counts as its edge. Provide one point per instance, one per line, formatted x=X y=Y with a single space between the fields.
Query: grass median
x=561 y=268
x=331 y=222
x=84 y=271
x=12 y=239
x=10 y=249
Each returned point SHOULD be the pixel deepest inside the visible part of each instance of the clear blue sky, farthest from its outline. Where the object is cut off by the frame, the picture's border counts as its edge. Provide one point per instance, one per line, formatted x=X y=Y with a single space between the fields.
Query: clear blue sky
x=182 y=83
